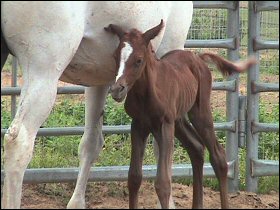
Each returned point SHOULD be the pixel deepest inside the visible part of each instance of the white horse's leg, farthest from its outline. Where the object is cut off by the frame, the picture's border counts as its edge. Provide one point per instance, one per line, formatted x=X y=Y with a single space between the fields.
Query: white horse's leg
x=41 y=71
x=36 y=101
x=43 y=57
x=91 y=143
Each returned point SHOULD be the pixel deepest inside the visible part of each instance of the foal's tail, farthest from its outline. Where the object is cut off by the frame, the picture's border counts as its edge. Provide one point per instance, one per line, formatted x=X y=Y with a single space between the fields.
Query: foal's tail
x=227 y=67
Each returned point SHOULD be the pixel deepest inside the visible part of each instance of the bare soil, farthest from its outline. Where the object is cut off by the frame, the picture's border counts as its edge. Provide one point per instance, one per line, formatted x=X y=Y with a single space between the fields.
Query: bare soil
x=114 y=195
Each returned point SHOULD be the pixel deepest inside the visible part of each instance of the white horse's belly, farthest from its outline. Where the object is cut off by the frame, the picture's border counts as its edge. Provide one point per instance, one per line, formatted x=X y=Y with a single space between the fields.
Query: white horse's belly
x=93 y=63
x=90 y=67
x=89 y=76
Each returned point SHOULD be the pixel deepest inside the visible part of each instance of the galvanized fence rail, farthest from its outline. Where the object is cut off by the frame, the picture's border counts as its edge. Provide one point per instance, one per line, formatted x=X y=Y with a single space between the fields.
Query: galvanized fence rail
x=234 y=126
x=255 y=167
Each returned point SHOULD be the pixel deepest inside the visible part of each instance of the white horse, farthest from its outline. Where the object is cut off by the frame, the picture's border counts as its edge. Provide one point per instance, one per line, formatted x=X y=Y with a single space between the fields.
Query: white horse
x=66 y=41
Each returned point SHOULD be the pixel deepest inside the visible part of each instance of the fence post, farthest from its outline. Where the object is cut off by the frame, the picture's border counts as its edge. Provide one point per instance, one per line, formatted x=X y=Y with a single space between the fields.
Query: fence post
x=232 y=99
x=252 y=98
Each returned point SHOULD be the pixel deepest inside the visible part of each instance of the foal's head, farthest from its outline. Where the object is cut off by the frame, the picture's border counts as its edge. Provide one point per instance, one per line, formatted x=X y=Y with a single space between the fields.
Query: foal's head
x=131 y=57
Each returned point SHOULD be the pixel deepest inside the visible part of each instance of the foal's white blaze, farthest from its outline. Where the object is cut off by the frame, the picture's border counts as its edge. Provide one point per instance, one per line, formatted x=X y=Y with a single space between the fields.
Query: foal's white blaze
x=125 y=53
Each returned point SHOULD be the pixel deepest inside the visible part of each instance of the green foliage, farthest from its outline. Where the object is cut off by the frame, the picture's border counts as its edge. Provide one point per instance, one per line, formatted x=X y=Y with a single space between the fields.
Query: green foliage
x=115 y=113
x=56 y=152
x=66 y=113
x=268 y=183
x=8 y=65
x=242 y=168
x=269 y=141
x=116 y=151
x=5 y=115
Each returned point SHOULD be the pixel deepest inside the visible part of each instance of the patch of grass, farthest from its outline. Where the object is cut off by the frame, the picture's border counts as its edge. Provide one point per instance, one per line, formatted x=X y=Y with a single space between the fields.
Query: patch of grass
x=66 y=113
x=115 y=113
x=5 y=115
x=57 y=152
x=268 y=184
x=8 y=65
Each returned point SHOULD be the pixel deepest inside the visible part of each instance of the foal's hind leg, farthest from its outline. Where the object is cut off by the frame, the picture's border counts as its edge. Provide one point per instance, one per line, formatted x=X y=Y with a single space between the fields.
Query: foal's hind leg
x=192 y=143
x=201 y=118
x=91 y=143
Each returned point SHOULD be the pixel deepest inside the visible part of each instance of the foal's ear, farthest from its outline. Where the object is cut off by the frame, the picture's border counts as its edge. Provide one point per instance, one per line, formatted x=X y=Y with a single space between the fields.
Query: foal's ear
x=114 y=29
x=153 y=32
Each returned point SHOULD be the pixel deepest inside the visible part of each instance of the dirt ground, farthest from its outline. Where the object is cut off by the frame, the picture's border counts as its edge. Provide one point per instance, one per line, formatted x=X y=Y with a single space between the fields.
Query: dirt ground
x=114 y=195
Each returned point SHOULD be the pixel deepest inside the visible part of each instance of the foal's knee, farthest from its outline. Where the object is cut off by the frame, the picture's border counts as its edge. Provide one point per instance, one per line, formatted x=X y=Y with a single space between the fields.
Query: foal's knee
x=134 y=180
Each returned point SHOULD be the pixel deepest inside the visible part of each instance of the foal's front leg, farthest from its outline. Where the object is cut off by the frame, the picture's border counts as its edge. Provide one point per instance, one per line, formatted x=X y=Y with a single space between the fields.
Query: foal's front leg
x=139 y=134
x=165 y=140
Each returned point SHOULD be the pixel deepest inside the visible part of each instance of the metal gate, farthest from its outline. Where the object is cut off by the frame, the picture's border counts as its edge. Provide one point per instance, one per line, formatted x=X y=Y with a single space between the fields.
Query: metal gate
x=254 y=166
x=236 y=119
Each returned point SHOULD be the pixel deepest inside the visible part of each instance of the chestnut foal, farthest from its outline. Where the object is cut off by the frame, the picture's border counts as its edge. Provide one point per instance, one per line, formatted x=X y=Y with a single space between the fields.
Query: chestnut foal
x=158 y=94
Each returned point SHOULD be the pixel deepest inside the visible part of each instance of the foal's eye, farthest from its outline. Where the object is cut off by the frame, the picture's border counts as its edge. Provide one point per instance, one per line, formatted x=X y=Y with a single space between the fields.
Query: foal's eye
x=138 y=62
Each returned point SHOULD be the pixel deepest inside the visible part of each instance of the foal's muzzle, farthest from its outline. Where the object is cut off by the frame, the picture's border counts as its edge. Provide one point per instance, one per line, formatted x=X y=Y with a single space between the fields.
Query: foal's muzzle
x=118 y=92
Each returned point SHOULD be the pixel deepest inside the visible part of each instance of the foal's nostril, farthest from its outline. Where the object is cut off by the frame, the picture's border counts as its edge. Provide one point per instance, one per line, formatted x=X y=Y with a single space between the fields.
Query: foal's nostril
x=118 y=92
x=121 y=88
